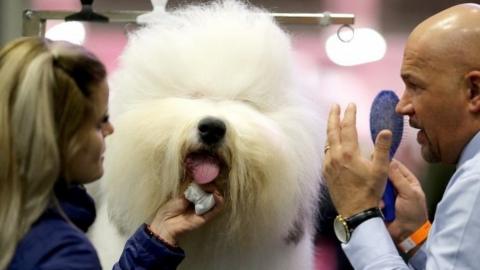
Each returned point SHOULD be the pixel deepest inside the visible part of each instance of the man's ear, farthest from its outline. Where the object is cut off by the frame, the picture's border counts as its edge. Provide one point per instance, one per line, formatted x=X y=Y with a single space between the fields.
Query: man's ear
x=473 y=80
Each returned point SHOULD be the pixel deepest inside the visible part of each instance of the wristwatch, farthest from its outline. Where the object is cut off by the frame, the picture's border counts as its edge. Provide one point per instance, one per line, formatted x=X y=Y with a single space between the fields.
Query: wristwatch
x=344 y=226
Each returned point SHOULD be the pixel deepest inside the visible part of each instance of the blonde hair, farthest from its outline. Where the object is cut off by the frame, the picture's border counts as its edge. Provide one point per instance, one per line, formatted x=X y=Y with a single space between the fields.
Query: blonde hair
x=44 y=101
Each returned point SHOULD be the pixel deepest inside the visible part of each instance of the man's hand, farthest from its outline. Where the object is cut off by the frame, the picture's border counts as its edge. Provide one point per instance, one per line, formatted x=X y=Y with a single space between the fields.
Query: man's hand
x=410 y=206
x=354 y=182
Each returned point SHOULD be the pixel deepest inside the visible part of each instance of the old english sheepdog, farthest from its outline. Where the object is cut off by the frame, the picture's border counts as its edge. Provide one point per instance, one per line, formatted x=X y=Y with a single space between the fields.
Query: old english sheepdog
x=212 y=85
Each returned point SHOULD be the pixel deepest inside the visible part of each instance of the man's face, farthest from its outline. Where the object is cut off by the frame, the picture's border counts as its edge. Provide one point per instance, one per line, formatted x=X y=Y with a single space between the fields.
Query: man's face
x=434 y=101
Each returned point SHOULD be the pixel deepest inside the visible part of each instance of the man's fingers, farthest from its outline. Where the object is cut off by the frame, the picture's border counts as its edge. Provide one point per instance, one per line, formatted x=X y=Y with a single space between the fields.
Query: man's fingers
x=333 y=127
x=382 y=148
x=398 y=179
x=348 y=133
x=409 y=176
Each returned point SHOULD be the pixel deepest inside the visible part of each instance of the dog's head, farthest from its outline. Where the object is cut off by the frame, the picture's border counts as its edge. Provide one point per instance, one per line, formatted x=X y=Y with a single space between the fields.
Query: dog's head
x=206 y=95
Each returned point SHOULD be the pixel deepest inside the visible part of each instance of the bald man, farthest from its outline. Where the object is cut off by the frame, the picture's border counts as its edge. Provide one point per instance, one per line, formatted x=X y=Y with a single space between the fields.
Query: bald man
x=441 y=72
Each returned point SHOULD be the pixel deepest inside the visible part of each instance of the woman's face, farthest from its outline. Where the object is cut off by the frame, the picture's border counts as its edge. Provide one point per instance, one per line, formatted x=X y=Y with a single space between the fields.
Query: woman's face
x=87 y=164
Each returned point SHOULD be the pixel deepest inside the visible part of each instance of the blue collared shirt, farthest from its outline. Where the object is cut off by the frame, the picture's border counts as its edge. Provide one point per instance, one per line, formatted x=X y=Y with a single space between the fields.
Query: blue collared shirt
x=454 y=239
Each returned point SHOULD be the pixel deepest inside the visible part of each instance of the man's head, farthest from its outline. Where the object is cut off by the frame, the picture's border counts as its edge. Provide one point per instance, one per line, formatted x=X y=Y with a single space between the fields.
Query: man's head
x=441 y=71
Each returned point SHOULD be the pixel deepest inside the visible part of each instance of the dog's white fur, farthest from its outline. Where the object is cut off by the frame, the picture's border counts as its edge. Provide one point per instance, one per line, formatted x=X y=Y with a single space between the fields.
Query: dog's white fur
x=232 y=62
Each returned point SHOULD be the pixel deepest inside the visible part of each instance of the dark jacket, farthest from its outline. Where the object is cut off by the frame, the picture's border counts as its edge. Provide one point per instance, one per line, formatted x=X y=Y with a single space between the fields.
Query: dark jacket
x=53 y=242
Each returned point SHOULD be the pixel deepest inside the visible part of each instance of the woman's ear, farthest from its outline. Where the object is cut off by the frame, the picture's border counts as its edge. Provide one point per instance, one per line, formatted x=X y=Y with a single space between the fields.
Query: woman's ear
x=473 y=80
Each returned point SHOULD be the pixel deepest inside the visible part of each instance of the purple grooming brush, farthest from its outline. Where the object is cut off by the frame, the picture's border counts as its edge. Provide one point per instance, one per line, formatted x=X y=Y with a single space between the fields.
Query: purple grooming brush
x=383 y=116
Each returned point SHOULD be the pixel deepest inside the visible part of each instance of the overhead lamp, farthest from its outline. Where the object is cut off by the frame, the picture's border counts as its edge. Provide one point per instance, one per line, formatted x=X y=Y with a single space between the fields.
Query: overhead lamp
x=355 y=47
x=71 y=31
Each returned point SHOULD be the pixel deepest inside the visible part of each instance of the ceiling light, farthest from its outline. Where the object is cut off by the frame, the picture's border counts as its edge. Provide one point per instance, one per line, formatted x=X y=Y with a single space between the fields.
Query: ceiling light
x=73 y=32
x=366 y=46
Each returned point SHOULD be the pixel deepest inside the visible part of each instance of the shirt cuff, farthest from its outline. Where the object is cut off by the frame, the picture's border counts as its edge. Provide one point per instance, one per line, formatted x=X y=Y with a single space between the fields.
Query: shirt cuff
x=151 y=253
x=370 y=245
x=419 y=259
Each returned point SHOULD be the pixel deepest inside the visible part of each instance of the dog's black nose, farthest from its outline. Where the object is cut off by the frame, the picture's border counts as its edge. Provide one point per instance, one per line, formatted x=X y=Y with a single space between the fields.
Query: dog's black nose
x=211 y=130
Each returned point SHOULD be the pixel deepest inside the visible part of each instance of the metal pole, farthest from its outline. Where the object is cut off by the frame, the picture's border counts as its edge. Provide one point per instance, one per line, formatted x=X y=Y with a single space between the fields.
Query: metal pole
x=34 y=21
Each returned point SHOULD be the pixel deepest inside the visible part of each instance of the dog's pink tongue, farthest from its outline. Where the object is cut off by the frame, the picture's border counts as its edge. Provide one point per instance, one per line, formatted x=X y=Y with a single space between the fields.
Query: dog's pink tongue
x=204 y=169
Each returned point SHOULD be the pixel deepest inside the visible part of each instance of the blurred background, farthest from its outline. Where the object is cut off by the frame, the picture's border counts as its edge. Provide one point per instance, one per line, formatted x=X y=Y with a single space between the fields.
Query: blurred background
x=335 y=71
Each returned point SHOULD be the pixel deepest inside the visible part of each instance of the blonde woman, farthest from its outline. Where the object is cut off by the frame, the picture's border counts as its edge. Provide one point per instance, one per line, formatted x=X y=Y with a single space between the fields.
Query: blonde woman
x=53 y=123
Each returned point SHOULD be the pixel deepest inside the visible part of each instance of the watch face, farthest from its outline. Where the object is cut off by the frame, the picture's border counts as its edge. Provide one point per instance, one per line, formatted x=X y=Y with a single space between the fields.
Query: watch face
x=341 y=230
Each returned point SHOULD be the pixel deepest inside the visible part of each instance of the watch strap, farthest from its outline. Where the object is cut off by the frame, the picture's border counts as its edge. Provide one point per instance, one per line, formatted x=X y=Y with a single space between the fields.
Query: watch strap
x=358 y=218
x=344 y=227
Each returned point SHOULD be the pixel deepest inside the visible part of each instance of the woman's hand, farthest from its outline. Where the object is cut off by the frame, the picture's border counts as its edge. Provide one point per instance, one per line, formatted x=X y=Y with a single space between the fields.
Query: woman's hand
x=177 y=216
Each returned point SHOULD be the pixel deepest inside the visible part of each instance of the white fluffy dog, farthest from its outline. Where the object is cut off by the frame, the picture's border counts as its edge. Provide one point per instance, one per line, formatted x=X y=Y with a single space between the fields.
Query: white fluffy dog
x=213 y=85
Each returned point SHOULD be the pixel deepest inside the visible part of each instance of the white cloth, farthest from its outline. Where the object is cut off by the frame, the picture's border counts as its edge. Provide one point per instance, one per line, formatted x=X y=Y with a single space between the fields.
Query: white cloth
x=203 y=201
x=454 y=239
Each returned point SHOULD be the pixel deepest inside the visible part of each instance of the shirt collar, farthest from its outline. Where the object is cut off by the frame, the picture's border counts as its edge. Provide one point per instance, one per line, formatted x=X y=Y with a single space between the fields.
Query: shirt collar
x=472 y=148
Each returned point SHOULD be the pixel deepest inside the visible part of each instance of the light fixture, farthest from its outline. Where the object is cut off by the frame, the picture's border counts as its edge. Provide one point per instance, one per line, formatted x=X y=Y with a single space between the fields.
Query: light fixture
x=72 y=31
x=366 y=46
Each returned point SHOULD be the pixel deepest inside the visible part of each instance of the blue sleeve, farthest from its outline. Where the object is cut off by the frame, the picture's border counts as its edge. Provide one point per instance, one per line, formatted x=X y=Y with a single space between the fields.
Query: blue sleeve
x=143 y=252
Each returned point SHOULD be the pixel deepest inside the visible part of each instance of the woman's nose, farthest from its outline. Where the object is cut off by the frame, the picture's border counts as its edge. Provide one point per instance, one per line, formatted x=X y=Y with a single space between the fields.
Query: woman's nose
x=108 y=129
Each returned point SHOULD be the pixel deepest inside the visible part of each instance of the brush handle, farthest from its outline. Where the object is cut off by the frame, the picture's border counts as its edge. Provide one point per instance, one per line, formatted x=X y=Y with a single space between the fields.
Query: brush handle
x=383 y=116
x=389 y=197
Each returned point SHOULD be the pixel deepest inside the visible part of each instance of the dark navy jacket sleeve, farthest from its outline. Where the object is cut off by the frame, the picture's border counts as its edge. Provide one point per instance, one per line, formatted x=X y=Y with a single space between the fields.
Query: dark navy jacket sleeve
x=72 y=254
x=54 y=244
x=145 y=252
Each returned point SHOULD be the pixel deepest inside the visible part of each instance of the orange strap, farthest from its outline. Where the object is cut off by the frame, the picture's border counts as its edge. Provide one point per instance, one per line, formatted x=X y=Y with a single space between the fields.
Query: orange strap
x=416 y=238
